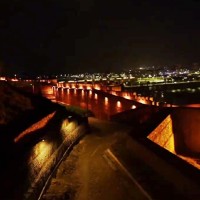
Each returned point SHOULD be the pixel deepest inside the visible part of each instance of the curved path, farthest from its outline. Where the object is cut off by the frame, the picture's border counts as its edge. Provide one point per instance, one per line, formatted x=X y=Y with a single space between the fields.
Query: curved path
x=88 y=174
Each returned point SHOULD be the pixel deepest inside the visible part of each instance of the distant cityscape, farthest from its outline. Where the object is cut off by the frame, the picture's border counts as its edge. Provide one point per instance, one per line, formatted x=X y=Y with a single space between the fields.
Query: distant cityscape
x=139 y=74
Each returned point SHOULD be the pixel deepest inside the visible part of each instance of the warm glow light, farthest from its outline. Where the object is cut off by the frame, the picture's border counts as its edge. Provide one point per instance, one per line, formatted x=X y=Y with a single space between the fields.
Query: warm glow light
x=47 y=90
x=126 y=97
x=73 y=86
x=165 y=138
x=39 y=156
x=118 y=104
x=151 y=98
x=192 y=105
x=142 y=101
x=67 y=129
x=106 y=101
x=14 y=79
x=2 y=78
x=133 y=107
x=82 y=92
x=42 y=123
x=97 y=88
x=95 y=96
x=113 y=93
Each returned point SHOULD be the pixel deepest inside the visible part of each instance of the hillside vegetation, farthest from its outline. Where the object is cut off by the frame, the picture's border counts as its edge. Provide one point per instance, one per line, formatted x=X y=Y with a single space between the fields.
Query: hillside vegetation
x=12 y=103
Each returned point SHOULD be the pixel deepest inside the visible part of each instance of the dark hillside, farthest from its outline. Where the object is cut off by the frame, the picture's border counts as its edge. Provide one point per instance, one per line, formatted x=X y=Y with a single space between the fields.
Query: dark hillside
x=34 y=133
x=18 y=110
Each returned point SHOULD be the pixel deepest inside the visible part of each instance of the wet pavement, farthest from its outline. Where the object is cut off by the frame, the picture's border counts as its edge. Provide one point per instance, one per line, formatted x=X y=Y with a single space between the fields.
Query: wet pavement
x=87 y=174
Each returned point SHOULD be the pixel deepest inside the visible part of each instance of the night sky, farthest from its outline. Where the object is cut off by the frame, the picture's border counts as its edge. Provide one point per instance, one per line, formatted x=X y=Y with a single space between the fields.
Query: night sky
x=97 y=36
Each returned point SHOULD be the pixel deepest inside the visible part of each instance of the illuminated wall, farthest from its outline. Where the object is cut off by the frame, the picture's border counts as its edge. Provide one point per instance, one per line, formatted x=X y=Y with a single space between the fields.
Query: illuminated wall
x=186 y=128
x=179 y=133
x=163 y=135
x=47 y=152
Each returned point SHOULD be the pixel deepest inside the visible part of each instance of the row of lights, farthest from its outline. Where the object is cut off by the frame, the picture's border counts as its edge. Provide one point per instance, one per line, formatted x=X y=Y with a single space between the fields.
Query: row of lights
x=119 y=103
x=140 y=99
x=96 y=96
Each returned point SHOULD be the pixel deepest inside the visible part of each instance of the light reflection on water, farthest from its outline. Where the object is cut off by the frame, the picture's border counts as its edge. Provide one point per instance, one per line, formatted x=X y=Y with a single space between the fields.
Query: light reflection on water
x=101 y=106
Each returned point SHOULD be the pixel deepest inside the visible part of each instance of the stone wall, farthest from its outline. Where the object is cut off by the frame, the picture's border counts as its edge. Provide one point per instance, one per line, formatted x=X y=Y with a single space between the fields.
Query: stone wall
x=179 y=133
x=163 y=134
x=186 y=129
x=43 y=145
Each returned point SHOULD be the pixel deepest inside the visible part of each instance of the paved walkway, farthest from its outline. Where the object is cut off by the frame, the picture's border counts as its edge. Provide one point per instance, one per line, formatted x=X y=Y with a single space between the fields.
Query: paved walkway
x=87 y=173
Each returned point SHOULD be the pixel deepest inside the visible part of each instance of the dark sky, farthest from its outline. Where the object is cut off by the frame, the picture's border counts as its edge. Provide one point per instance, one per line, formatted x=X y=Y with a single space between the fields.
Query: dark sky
x=88 y=35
